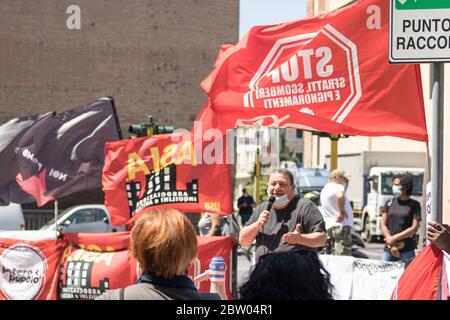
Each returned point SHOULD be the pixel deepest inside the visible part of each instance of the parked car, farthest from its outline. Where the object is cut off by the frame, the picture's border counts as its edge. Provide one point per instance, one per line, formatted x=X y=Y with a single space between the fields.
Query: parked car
x=310 y=179
x=11 y=217
x=89 y=218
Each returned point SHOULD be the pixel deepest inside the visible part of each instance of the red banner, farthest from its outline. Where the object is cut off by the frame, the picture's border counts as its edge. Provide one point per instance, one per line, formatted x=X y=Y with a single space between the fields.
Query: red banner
x=84 y=265
x=29 y=269
x=209 y=247
x=94 y=263
x=165 y=171
x=329 y=73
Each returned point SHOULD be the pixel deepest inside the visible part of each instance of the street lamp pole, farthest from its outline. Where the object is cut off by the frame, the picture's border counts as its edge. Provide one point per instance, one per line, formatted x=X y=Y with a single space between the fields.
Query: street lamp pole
x=334 y=138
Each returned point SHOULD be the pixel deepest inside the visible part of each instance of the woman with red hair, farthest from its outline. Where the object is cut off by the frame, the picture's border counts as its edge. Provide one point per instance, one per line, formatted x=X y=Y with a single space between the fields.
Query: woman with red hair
x=164 y=242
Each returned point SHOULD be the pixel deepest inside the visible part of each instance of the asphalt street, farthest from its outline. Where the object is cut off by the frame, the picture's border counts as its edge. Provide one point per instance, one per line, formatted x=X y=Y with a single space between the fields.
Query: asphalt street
x=373 y=250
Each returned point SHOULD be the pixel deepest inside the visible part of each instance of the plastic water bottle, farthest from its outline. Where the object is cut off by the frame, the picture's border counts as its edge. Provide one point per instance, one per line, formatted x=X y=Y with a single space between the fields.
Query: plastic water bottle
x=217 y=269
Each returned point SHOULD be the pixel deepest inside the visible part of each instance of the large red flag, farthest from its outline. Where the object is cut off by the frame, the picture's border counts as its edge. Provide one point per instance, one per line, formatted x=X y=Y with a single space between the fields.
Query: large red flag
x=421 y=279
x=166 y=171
x=328 y=73
x=94 y=263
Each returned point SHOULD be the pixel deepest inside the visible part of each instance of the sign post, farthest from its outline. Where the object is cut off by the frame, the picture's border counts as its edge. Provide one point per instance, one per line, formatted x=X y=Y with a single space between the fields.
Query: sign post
x=419 y=31
x=437 y=143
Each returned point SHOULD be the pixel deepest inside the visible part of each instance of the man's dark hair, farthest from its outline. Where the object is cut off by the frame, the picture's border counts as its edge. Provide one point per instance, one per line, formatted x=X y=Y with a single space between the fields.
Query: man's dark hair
x=288 y=275
x=406 y=182
x=286 y=173
x=244 y=190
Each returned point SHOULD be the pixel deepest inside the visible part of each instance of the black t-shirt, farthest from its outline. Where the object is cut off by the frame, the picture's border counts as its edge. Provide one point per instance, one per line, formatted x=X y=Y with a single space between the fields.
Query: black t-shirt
x=400 y=217
x=282 y=221
x=249 y=201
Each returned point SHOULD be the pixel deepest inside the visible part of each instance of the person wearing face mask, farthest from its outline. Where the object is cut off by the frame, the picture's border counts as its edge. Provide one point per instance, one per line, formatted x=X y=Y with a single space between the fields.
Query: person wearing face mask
x=337 y=213
x=291 y=224
x=400 y=222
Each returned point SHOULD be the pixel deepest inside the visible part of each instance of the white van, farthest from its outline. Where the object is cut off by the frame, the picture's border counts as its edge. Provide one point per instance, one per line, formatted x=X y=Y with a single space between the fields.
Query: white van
x=11 y=217
x=89 y=218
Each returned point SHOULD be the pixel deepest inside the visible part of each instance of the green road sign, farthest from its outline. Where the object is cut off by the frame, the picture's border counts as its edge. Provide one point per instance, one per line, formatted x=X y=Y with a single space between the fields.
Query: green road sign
x=421 y=4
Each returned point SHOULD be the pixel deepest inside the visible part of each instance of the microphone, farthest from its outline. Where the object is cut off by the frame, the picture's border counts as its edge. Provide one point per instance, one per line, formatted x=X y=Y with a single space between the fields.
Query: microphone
x=270 y=204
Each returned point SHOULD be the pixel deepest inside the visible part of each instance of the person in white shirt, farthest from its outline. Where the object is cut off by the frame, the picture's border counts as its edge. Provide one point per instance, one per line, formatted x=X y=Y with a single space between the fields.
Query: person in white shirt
x=337 y=213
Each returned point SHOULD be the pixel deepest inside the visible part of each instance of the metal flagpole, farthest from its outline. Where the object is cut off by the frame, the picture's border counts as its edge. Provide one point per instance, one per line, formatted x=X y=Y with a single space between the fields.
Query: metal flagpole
x=56 y=217
x=437 y=149
x=426 y=202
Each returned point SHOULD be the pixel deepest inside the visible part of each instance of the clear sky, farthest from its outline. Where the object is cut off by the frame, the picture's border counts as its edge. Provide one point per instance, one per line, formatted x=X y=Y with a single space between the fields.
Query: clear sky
x=262 y=12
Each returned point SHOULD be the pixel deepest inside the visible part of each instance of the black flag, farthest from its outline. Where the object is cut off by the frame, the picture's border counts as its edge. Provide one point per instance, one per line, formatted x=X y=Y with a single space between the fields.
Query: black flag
x=10 y=134
x=64 y=154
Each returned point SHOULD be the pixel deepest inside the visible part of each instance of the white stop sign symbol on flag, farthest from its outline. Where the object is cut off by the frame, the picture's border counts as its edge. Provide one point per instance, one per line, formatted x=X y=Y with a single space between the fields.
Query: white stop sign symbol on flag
x=316 y=72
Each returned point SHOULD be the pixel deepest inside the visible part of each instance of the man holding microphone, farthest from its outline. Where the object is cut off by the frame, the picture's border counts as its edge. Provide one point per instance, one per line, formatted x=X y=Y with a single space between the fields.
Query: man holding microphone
x=286 y=222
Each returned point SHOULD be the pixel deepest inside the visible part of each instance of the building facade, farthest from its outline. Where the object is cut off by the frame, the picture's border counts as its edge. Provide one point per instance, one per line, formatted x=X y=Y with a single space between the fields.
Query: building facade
x=149 y=55
x=294 y=142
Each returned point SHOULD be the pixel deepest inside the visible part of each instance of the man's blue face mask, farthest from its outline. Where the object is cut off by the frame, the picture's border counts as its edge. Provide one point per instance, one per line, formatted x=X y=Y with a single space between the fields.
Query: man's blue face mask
x=396 y=190
x=281 y=201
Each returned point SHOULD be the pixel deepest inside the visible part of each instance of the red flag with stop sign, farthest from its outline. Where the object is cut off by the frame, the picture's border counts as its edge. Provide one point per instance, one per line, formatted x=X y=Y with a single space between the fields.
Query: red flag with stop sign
x=329 y=73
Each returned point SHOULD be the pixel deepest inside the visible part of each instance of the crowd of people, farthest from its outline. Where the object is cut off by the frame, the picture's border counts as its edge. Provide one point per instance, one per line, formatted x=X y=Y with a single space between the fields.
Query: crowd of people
x=288 y=231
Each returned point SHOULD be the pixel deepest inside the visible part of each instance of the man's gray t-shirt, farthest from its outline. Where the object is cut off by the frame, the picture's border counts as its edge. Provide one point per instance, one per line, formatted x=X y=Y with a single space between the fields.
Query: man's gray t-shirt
x=299 y=211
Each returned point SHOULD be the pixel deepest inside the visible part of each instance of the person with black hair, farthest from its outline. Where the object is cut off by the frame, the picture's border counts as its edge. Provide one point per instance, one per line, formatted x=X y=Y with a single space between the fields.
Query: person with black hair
x=291 y=275
x=400 y=222
x=439 y=235
x=245 y=204
x=210 y=224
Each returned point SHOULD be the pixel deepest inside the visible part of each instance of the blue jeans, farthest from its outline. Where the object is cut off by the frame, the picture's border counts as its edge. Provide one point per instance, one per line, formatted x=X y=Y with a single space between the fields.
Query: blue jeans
x=405 y=256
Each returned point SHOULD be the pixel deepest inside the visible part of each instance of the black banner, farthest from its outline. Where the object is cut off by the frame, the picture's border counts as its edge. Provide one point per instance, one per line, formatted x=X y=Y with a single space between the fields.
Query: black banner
x=61 y=154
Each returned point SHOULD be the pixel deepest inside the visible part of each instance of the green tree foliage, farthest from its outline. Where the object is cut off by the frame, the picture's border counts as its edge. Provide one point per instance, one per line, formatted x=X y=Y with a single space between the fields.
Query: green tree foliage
x=263 y=180
x=286 y=154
